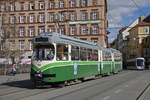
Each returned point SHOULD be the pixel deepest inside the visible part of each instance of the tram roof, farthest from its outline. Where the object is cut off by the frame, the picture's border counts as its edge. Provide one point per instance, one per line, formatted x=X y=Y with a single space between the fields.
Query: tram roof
x=111 y=50
x=54 y=37
x=114 y=50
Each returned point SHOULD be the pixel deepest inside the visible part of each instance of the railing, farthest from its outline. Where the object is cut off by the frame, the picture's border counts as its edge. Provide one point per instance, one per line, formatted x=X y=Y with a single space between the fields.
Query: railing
x=6 y=69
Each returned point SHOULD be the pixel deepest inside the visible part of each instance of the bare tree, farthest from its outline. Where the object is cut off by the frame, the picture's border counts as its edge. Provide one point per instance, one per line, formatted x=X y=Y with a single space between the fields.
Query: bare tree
x=6 y=29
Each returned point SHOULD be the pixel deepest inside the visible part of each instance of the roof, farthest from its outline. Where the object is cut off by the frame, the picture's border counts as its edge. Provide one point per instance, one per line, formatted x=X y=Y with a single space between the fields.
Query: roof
x=147 y=19
x=54 y=37
x=143 y=23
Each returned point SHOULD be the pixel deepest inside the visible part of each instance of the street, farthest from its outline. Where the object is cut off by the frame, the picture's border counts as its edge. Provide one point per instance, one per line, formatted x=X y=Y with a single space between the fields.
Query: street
x=127 y=85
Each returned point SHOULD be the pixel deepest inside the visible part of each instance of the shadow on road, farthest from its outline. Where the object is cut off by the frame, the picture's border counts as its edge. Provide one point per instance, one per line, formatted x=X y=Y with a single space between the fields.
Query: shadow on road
x=20 y=84
x=28 y=84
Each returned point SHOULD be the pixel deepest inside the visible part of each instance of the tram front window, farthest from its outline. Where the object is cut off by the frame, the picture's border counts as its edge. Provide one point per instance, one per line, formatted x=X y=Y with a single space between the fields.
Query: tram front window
x=140 y=62
x=43 y=52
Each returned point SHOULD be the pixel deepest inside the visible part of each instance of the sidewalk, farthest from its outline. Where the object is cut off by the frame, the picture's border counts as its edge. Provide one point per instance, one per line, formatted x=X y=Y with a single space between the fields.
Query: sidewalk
x=17 y=77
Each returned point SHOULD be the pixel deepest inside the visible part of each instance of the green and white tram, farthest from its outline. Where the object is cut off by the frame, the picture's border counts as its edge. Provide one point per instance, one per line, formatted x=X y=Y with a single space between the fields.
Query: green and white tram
x=116 y=60
x=59 y=58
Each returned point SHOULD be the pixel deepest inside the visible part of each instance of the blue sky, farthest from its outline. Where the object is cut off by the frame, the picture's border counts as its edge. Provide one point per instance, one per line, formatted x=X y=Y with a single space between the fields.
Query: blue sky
x=123 y=12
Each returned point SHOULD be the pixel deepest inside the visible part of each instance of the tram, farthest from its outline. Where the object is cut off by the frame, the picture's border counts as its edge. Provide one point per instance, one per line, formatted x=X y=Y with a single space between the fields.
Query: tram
x=137 y=63
x=58 y=58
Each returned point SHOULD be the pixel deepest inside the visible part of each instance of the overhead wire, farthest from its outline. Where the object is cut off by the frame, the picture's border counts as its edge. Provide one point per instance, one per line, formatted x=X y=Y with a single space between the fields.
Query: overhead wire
x=136 y=5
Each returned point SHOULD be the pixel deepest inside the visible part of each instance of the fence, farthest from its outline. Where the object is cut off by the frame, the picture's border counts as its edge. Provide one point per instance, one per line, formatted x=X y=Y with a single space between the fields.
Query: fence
x=6 y=69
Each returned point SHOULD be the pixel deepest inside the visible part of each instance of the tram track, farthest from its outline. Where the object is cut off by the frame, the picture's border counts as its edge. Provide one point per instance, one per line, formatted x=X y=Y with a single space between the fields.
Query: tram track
x=42 y=94
x=10 y=91
x=4 y=87
x=94 y=85
x=142 y=93
x=35 y=93
x=24 y=93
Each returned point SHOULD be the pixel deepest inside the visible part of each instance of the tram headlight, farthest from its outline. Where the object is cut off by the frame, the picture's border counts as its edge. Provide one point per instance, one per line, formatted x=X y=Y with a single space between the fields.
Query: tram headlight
x=38 y=74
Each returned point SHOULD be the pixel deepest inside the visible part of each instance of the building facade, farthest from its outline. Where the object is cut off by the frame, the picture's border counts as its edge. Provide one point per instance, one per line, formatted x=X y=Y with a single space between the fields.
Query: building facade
x=133 y=40
x=122 y=40
x=24 y=19
x=146 y=49
x=137 y=34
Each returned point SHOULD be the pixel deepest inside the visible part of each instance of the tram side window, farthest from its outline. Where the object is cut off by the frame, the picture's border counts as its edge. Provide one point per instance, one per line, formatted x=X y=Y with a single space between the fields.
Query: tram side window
x=83 y=54
x=75 y=53
x=117 y=57
x=92 y=55
x=105 y=56
x=89 y=54
x=62 y=52
x=95 y=55
x=109 y=57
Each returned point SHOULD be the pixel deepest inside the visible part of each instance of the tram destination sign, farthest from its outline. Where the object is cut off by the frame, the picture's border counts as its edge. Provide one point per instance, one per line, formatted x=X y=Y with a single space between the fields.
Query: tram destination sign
x=41 y=39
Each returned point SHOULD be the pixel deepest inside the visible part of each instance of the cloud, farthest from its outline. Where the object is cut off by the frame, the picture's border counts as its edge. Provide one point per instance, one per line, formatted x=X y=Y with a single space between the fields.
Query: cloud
x=118 y=9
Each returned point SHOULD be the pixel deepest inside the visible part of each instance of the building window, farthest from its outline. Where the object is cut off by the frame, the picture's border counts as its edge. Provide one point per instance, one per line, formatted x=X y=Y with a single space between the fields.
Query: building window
x=41 y=29
x=12 y=6
x=61 y=16
x=31 y=18
x=12 y=19
x=51 y=4
x=84 y=15
x=31 y=31
x=72 y=29
x=51 y=29
x=62 y=29
x=83 y=29
x=83 y=3
x=85 y=39
x=95 y=40
x=22 y=19
x=41 y=18
x=94 y=2
x=21 y=44
x=31 y=6
x=72 y=16
x=21 y=31
x=146 y=29
x=94 y=14
x=95 y=29
x=22 y=6
x=30 y=44
x=2 y=7
x=41 y=5
x=61 y=4
x=72 y=3
x=51 y=17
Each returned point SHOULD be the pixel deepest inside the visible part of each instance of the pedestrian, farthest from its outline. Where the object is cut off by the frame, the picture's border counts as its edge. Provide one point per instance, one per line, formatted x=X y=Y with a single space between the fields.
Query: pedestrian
x=13 y=69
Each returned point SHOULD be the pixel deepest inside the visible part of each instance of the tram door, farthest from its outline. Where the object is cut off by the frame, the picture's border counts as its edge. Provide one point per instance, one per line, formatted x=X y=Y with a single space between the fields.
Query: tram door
x=75 y=57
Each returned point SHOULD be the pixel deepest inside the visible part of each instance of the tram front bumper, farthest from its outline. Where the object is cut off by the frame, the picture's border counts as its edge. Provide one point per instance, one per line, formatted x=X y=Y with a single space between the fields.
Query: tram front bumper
x=38 y=77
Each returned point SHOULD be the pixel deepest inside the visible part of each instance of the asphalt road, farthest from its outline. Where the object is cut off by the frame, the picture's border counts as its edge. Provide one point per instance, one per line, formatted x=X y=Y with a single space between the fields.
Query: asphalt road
x=127 y=85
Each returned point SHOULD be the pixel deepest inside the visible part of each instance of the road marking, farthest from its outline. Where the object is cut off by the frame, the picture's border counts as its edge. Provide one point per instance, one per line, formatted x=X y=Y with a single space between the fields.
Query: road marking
x=106 y=98
x=118 y=91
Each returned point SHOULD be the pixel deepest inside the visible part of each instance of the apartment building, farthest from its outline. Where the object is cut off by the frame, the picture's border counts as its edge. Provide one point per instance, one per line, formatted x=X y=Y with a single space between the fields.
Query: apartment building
x=24 y=19
x=136 y=37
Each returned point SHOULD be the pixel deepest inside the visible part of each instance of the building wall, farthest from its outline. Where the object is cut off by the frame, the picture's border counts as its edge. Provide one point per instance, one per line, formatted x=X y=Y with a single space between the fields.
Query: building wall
x=25 y=19
x=137 y=34
x=146 y=47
